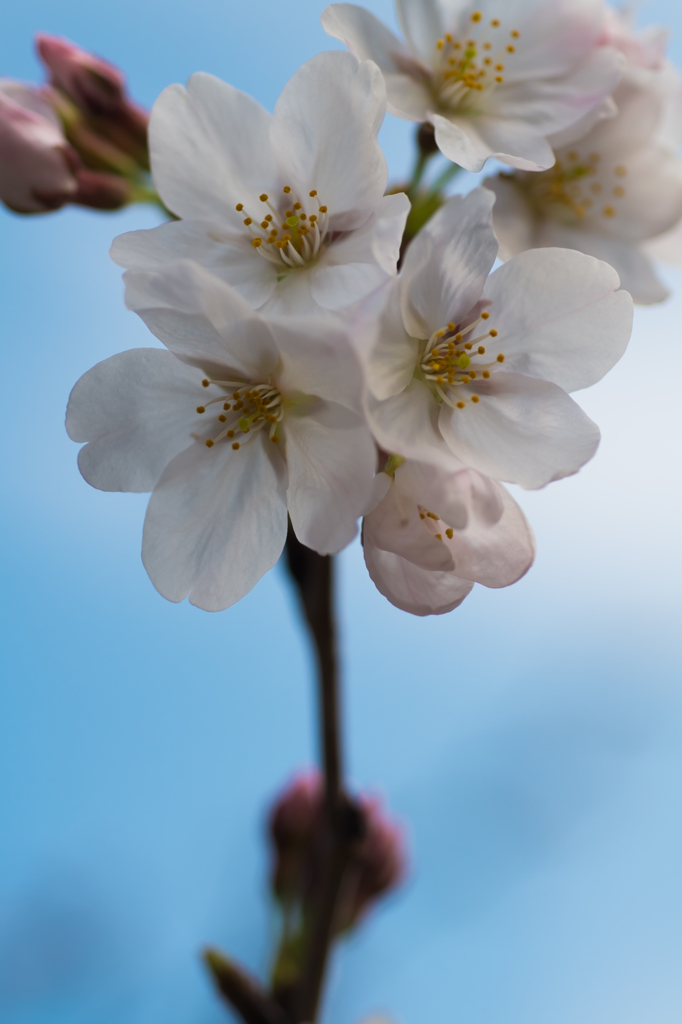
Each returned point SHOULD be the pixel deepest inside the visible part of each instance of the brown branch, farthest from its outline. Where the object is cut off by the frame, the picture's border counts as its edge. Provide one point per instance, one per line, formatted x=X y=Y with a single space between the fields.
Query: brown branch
x=243 y=992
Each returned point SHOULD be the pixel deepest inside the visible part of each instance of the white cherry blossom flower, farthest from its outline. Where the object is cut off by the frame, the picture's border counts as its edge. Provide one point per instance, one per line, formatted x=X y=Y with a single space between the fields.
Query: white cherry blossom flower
x=436 y=533
x=476 y=369
x=287 y=208
x=495 y=78
x=613 y=193
x=244 y=420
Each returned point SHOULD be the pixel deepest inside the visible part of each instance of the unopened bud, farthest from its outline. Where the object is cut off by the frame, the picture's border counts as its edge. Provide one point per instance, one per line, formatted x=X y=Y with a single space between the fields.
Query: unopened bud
x=378 y=863
x=98 y=90
x=102 y=191
x=293 y=820
x=37 y=166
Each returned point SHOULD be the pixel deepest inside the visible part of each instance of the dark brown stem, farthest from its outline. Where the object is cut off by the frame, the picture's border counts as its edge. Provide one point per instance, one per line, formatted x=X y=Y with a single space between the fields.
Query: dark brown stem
x=313 y=575
x=243 y=992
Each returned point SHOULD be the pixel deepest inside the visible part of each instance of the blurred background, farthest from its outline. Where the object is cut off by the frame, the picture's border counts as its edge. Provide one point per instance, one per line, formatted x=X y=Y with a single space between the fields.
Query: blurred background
x=531 y=741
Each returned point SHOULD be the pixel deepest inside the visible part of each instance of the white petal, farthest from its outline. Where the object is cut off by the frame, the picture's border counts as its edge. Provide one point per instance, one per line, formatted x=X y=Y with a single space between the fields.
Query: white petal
x=407 y=425
x=668 y=246
x=629 y=260
x=411 y=588
x=513 y=217
x=471 y=141
x=202 y=320
x=136 y=410
x=559 y=315
x=522 y=430
x=390 y=353
x=331 y=460
x=324 y=132
x=209 y=149
x=447 y=264
x=317 y=358
x=359 y=262
x=215 y=524
x=226 y=252
x=396 y=525
x=423 y=23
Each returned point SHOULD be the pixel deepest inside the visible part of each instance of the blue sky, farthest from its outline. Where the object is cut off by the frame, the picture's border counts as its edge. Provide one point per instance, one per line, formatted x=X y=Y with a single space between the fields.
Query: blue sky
x=532 y=740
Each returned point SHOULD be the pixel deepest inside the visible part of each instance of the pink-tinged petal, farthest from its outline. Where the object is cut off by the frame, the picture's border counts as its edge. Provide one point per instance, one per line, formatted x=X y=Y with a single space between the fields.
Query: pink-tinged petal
x=331 y=460
x=137 y=411
x=498 y=554
x=324 y=134
x=216 y=523
x=447 y=264
x=559 y=315
x=522 y=430
x=668 y=246
x=210 y=149
x=202 y=320
x=460 y=497
x=226 y=252
x=318 y=359
x=357 y=263
x=398 y=525
x=407 y=425
x=411 y=588
x=369 y=39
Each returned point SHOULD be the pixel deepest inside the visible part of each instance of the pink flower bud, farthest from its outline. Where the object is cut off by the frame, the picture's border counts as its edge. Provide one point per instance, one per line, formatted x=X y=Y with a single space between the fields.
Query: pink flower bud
x=97 y=88
x=37 y=166
x=293 y=820
x=379 y=861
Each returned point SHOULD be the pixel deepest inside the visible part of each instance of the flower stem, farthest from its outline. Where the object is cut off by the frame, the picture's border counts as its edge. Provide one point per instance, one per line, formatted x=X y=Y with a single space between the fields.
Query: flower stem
x=314 y=578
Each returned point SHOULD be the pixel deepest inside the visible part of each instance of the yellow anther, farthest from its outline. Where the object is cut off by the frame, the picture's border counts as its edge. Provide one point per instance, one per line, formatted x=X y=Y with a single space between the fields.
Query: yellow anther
x=313 y=193
x=298 y=206
x=323 y=209
x=472 y=375
x=226 y=406
x=257 y=242
x=439 y=536
x=619 y=191
x=460 y=405
x=201 y=408
x=493 y=333
x=475 y=398
x=439 y=380
x=499 y=67
x=209 y=443
x=487 y=60
x=248 y=221
x=422 y=516
x=205 y=383
x=495 y=23
x=476 y=17
x=440 y=44
x=500 y=358
x=486 y=374
x=481 y=350
x=230 y=433
x=609 y=211
x=449 y=533
x=451 y=327
x=264 y=224
x=222 y=418
x=487 y=46
x=458 y=337
x=515 y=34
x=286 y=190
x=511 y=48
x=235 y=446
x=621 y=171
x=499 y=78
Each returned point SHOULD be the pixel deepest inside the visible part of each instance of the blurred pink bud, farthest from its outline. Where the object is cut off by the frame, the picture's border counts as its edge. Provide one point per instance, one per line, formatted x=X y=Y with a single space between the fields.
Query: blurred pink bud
x=102 y=191
x=37 y=166
x=293 y=820
x=379 y=860
x=97 y=88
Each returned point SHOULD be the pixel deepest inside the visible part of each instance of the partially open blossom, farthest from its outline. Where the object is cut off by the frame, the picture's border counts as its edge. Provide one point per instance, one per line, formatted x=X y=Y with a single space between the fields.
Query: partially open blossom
x=289 y=209
x=243 y=422
x=494 y=78
x=437 y=532
x=37 y=166
x=377 y=859
x=475 y=369
x=612 y=193
x=98 y=90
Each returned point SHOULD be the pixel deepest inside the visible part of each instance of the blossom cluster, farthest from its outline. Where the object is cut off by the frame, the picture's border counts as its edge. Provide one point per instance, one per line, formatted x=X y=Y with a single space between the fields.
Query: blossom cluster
x=327 y=363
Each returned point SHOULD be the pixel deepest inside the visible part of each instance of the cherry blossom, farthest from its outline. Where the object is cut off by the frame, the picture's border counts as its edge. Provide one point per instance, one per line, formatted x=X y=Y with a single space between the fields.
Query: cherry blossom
x=494 y=78
x=615 y=192
x=37 y=166
x=243 y=421
x=289 y=209
x=469 y=368
x=436 y=533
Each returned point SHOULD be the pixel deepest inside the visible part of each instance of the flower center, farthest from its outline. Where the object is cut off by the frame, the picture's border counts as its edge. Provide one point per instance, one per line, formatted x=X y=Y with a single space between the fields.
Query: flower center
x=291 y=235
x=577 y=187
x=247 y=409
x=449 y=362
x=434 y=524
x=464 y=70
